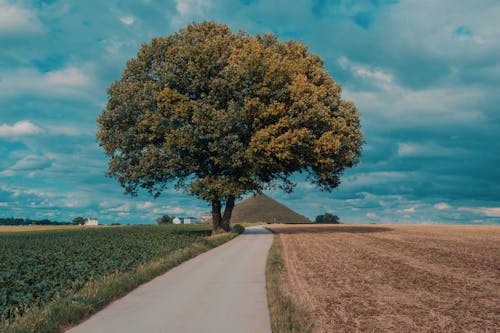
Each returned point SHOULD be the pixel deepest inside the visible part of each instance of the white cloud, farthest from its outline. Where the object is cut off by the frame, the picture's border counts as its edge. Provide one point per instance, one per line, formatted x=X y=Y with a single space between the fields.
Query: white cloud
x=127 y=20
x=70 y=76
x=364 y=179
x=15 y=20
x=26 y=128
x=442 y=206
x=169 y=210
x=21 y=128
x=32 y=162
x=28 y=166
x=69 y=129
x=408 y=107
x=480 y=40
x=4 y=204
x=69 y=81
x=191 y=7
x=122 y=208
x=7 y=173
x=188 y=11
x=408 y=149
x=75 y=202
x=106 y=204
x=371 y=215
x=145 y=205
x=305 y=186
x=486 y=211
x=57 y=10
x=377 y=75
x=424 y=149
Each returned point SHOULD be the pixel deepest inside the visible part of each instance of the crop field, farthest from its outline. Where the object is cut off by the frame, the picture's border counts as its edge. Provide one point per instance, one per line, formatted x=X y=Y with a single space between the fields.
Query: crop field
x=394 y=278
x=36 y=267
x=31 y=228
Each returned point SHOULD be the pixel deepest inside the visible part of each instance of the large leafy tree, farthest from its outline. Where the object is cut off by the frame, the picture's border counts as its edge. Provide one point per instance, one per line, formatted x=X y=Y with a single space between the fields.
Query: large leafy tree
x=220 y=114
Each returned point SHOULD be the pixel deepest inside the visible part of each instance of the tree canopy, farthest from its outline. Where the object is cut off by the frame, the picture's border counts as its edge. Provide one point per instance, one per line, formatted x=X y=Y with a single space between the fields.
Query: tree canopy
x=327 y=218
x=165 y=219
x=220 y=114
x=78 y=220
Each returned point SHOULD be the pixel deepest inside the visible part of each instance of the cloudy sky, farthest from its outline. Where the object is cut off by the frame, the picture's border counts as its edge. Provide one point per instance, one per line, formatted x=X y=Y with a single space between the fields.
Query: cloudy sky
x=425 y=75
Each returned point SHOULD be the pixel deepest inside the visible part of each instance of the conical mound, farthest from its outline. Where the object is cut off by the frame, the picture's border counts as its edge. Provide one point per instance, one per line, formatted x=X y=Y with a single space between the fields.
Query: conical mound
x=261 y=208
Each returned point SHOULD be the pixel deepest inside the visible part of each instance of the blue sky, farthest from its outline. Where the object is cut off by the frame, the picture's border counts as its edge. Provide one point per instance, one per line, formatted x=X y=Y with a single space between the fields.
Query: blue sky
x=424 y=74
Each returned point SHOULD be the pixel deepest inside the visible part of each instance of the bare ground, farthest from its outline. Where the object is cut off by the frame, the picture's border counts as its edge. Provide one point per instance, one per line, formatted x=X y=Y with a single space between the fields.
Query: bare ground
x=393 y=278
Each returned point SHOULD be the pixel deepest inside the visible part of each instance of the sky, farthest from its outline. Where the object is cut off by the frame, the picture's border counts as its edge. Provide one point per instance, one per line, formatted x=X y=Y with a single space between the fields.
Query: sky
x=424 y=74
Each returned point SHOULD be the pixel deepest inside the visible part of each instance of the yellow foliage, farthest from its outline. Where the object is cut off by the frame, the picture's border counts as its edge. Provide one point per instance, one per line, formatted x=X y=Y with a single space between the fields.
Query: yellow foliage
x=221 y=114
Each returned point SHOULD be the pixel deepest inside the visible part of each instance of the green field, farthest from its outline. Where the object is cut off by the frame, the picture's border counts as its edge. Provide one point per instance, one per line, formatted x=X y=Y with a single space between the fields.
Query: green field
x=37 y=268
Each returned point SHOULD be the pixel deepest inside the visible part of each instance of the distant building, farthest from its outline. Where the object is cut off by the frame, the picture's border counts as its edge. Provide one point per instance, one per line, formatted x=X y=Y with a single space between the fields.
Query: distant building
x=189 y=220
x=91 y=221
x=184 y=220
x=206 y=217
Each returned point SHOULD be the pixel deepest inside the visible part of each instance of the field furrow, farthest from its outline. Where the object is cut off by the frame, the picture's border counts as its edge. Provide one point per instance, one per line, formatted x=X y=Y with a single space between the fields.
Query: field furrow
x=395 y=278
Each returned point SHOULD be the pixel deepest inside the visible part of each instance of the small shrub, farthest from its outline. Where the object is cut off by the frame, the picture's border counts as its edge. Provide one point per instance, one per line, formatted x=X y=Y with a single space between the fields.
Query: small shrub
x=238 y=228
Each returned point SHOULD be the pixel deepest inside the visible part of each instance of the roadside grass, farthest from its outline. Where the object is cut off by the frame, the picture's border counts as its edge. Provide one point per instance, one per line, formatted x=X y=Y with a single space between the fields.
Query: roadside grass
x=286 y=316
x=62 y=313
x=251 y=224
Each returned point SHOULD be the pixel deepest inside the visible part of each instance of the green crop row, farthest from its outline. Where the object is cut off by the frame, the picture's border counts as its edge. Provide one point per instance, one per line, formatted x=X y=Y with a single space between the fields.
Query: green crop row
x=37 y=267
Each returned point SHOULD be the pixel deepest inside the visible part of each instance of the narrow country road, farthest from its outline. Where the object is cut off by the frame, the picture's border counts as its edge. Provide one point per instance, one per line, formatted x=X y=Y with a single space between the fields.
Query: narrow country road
x=222 y=290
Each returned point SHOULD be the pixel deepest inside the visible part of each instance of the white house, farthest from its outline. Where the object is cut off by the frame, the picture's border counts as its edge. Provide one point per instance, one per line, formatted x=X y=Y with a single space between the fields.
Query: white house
x=184 y=220
x=190 y=220
x=91 y=221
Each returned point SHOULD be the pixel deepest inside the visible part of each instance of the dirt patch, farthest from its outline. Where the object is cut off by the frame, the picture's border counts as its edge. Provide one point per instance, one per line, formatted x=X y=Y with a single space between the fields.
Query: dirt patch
x=395 y=278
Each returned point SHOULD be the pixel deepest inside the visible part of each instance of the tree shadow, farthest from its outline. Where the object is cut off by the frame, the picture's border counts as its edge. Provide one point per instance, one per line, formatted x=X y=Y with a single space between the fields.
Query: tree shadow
x=327 y=229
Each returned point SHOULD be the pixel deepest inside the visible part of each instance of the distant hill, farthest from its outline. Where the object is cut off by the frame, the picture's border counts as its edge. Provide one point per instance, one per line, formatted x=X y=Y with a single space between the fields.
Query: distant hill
x=261 y=208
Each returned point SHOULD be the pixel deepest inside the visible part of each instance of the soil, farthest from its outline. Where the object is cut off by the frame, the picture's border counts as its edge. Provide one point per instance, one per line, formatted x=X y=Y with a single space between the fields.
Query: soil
x=394 y=278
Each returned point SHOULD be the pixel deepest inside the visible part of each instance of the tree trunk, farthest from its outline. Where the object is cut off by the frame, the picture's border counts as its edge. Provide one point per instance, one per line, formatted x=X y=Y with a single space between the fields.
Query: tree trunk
x=216 y=217
x=226 y=218
x=221 y=223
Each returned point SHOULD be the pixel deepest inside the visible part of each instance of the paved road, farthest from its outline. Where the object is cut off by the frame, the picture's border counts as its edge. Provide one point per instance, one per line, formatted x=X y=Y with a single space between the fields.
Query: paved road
x=222 y=290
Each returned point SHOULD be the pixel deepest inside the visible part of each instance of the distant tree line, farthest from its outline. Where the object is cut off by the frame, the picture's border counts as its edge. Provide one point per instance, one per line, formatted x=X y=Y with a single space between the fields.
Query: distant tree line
x=78 y=220
x=327 y=218
x=20 y=221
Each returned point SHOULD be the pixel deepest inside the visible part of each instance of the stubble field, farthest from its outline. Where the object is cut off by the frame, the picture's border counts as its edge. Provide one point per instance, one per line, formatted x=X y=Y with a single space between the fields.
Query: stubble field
x=393 y=278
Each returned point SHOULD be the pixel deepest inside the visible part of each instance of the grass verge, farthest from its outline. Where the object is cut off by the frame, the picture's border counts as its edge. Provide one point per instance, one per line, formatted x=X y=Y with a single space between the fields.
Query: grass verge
x=286 y=316
x=63 y=312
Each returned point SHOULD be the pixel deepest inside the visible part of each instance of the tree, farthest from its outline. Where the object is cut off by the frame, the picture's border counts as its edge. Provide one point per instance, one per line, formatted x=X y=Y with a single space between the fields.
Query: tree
x=78 y=220
x=220 y=114
x=327 y=218
x=165 y=219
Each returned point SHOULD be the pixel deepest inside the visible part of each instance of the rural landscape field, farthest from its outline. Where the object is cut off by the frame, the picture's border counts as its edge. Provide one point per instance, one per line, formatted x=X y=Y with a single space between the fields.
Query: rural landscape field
x=249 y=166
x=394 y=278
x=43 y=266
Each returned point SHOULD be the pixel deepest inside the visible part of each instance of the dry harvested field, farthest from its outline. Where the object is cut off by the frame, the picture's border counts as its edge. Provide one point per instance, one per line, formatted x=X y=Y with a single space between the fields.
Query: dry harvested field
x=394 y=278
x=30 y=228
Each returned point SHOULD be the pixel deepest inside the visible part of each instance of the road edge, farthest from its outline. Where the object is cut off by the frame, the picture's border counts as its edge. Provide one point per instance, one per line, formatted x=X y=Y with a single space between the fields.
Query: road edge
x=286 y=316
